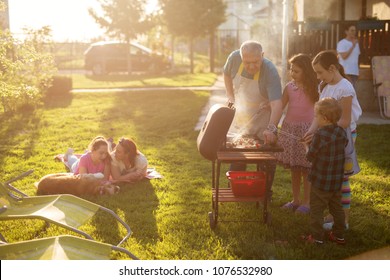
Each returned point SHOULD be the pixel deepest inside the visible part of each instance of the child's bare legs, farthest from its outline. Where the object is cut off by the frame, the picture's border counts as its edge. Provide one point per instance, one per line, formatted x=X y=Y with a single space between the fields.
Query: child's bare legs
x=296 y=190
x=298 y=176
x=296 y=186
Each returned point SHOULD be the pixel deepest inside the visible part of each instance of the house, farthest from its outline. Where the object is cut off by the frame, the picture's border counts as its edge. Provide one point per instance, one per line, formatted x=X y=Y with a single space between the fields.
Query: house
x=242 y=21
x=312 y=26
x=319 y=25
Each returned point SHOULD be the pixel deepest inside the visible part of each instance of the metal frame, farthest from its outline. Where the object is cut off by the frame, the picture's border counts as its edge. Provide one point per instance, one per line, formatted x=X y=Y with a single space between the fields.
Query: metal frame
x=381 y=75
x=62 y=247
x=18 y=197
x=264 y=161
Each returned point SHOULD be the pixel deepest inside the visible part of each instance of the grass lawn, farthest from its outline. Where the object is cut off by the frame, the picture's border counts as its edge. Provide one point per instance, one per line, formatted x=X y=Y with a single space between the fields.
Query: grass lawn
x=169 y=216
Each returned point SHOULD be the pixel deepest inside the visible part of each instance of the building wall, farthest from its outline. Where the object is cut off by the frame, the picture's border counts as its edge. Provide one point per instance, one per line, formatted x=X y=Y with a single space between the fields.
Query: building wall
x=380 y=9
x=353 y=9
x=239 y=25
x=331 y=10
x=298 y=13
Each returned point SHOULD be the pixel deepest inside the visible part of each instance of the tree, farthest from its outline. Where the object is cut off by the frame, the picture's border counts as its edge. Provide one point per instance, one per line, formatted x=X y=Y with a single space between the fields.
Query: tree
x=192 y=19
x=26 y=68
x=124 y=20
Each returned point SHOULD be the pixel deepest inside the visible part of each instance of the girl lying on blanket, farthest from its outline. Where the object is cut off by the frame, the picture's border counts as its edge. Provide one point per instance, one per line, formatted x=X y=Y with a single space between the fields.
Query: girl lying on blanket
x=95 y=160
x=127 y=163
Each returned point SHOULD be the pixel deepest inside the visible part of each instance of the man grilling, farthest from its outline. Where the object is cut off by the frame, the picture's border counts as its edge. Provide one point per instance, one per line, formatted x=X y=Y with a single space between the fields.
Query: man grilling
x=253 y=85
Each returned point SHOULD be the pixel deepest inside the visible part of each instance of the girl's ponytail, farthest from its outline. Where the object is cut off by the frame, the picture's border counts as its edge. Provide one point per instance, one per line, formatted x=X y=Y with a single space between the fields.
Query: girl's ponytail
x=342 y=72
x=326 y=59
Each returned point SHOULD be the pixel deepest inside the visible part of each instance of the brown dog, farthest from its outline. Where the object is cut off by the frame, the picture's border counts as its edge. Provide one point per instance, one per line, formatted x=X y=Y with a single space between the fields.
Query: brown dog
x=79 y=185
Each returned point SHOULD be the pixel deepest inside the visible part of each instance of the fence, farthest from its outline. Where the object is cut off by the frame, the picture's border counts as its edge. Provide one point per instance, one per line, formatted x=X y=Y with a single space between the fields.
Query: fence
x=313 y=37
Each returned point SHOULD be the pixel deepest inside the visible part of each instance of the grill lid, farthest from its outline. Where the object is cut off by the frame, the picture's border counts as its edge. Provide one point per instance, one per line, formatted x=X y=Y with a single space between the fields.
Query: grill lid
x=214 y=130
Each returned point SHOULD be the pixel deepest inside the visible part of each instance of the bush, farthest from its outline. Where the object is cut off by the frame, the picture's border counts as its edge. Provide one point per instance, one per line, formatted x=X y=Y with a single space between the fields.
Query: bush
x=27 y=69
x=61 y=85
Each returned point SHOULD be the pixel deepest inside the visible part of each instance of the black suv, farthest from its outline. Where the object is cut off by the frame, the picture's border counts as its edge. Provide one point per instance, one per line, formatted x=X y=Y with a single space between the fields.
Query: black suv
x=105 y=57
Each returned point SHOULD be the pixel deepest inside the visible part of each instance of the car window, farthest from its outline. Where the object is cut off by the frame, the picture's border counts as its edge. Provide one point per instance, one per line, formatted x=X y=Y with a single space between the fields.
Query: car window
x=137 y=51
x=95 y=50
x=116 y=50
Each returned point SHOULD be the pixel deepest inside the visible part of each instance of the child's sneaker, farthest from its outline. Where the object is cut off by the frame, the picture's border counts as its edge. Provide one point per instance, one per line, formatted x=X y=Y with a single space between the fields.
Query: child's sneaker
x=311 y=240
x=335 y=239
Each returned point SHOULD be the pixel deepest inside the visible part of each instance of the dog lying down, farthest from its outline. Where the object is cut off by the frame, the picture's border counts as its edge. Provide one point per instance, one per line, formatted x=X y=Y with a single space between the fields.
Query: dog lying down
x=79 y=185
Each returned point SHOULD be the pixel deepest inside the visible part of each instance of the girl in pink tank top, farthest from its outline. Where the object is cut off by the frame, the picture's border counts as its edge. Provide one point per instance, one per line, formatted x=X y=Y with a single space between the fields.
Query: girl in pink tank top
x=96 y=160
x=299 y=95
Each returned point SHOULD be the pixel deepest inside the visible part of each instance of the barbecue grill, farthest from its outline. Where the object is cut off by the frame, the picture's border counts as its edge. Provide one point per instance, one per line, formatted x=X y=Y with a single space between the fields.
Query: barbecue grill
x=215 y=144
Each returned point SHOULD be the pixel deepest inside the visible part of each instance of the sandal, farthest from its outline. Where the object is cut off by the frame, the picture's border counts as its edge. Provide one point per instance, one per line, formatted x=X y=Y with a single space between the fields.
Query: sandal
x=290 y=206
x=303 y=210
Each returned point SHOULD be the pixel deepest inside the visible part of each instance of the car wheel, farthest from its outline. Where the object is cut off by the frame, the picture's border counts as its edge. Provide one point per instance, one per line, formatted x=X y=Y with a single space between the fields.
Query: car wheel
x=98 y=69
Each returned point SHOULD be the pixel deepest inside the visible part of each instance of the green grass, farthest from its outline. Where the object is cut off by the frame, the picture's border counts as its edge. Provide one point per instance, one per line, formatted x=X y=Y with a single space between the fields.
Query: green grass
x=141 y=80
x=169 y=216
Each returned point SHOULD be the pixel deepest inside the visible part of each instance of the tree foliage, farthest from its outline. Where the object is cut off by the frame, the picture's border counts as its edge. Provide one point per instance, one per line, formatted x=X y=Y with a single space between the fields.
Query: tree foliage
x=193 y=18
x=123 y=19
x=26 y=68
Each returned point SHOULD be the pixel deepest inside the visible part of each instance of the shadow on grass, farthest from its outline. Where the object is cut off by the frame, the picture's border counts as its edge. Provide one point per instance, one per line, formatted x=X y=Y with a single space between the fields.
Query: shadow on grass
x=159 y=124
x=139 y=210
x=19 y=131
x=369 y=136
x=136 y=203
x=52 y=101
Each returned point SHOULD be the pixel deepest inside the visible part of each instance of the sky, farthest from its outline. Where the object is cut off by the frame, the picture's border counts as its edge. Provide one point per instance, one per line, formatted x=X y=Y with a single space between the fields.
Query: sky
x=68 y=19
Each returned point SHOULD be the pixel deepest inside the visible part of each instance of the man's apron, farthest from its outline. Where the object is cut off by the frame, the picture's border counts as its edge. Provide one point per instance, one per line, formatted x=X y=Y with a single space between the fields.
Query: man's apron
x=252 y=109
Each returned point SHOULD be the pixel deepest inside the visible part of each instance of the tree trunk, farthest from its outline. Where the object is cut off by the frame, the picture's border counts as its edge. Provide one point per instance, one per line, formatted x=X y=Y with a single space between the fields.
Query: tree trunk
x=173 y=51
x=192 y=55
x=212 y=51
x=128 y=58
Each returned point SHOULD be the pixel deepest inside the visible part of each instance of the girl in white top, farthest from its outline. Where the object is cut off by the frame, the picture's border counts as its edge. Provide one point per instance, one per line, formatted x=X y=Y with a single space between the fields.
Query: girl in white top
x=340 y=90
x=335 y=84
x=128 y=164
